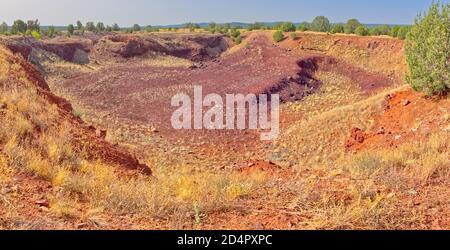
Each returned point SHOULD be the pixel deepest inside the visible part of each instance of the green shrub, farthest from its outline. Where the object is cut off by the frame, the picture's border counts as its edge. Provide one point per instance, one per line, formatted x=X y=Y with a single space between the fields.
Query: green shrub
x=79 y=25
x=337 y=28
x=70 y=29
x=136 y=28
x=403 y=32
x=18 y=26
x=278 y=36
x=36 y=34
x=238 y=39
x=256 y=26
x=100 y=27
x=394 y=31
x=321 y=24
x=362 y=31
x=351 y=26
x=380 y=30
x=286 y=27
x=51 y=32
x=293 y=35
x=235 y=33
x=427 y=49
x=115 y=27
x=90 y=26
x=304 y=26
x=3 y=28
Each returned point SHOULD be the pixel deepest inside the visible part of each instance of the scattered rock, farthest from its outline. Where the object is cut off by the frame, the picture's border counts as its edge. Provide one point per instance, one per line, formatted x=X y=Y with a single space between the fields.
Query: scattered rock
x=412 y=192
x=81 y=225
x=103 y=133
x=43 y=203
x=5 y=190
x=406 y=102
x=44 y=209
x=381 y=131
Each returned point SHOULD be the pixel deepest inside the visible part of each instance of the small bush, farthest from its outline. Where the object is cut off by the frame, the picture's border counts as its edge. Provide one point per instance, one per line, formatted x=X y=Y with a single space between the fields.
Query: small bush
x=286 y=27
x=90 y=26
x=380 y=30
x=238 y=39
x=115 y=27
x=394 y=31
x=278 y=36
x=256 y=26
x=100 y=27
x=51 y=32
x=403 y=32
x=18 y=26
x=235 y=33
x=136 y=28
x=304 y=26
x=351 y=26
x=293 y=35
x=3 y=28
x=362 y=31
x=338 y=28
x=70 y=29
x=36 y=34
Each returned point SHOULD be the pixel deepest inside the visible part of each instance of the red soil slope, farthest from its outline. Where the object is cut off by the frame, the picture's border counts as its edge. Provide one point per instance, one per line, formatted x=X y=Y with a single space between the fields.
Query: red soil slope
x=84 y=136
x=408 y=117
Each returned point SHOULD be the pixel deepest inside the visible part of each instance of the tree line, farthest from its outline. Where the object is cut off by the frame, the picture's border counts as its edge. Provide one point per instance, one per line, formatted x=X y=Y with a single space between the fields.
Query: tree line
x=323 y=24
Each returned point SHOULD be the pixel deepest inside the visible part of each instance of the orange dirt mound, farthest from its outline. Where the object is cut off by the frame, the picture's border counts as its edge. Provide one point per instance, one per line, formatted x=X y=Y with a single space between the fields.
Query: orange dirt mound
x=258 y=166
x=408 y=117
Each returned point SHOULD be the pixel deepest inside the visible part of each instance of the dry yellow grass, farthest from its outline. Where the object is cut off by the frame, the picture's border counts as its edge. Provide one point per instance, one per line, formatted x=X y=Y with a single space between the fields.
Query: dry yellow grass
x=326 y=119
x=396 y=188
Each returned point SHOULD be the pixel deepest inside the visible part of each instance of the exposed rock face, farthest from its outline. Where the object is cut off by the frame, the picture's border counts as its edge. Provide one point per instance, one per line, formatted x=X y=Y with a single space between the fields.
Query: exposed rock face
x=193 y=47
x=71 y=50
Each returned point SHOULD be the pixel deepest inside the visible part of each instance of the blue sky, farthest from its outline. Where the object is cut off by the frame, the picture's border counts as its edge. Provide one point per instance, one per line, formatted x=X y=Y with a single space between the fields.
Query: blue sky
x=161 y=12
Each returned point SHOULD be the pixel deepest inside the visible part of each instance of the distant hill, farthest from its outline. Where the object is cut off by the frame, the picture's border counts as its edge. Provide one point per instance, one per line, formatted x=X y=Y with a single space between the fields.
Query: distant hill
x=245 y=25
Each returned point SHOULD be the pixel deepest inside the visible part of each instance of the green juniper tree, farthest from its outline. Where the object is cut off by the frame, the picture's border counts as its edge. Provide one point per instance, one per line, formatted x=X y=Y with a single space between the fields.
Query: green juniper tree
x=18 y=26
x=115 y=27
x=427 y=48
x=90 y=26
x=79 y=25
x=33 y=25
x=321 y=24
x=136 y=28
x=362 y=30
x=3 y=28
x=351 y=26
x=70 y=29
x=100 y=27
